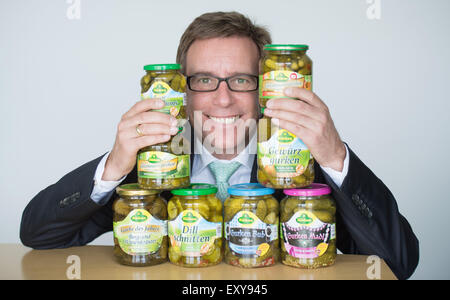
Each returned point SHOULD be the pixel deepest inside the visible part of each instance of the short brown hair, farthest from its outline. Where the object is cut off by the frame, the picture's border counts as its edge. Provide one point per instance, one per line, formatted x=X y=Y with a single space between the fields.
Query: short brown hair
x=221 y=24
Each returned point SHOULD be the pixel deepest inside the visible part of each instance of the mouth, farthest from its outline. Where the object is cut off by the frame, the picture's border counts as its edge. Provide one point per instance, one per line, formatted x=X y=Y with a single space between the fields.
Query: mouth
x=225 y=120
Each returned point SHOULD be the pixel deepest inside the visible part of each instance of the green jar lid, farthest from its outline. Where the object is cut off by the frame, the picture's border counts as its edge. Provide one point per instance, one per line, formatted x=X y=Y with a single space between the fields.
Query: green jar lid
x=133 y=189
x=292 y=47
x=196 y=189
x=162 y=67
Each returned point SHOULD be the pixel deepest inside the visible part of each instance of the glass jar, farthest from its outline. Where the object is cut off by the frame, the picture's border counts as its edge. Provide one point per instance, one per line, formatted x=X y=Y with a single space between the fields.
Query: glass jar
x=251 y=226
x=308 y=227
x=165 y=166
x=139 y=226
x=284 y=161
x=195 y=226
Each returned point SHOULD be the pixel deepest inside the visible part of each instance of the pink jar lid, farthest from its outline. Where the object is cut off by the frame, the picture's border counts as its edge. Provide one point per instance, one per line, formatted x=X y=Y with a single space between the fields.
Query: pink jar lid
x=315 y=189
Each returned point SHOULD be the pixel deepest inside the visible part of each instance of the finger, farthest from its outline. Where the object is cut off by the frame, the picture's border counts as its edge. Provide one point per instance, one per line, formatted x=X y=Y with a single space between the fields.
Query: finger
x=144 y=105
x=149 y=117
x=293 y=117
x=149 y=140
x=158 y=129
x=148 y=129
x=291 y=105
x=305 y=95
x=300 y=131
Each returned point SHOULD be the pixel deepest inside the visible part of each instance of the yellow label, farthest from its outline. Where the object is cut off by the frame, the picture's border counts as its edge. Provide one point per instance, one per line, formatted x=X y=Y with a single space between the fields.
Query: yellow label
x=262 y=249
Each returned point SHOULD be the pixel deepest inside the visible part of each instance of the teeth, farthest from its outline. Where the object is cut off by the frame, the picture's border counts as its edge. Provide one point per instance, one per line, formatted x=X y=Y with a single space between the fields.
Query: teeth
x=225 y=120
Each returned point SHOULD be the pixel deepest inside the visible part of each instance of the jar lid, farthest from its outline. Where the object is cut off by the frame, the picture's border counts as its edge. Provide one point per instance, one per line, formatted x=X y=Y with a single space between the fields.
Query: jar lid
x=294 y=47
x=249 y=189
x=315 y=189
x=162 y=67
x=196 y=189
x=133 y=189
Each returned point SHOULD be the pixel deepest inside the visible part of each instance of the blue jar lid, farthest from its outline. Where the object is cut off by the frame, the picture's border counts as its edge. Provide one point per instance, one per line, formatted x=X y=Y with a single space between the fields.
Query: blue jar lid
x=249 y=189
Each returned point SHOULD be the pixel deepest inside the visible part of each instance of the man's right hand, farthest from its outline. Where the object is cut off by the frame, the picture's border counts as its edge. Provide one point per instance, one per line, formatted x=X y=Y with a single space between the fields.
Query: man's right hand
x=155 y=128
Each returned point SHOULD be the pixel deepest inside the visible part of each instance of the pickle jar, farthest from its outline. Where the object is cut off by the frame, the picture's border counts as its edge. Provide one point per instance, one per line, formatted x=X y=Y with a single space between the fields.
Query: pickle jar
x=251 y=226
x=139 y=226
x=284 y=161
x=165 y=166
x=308 y=227
x=195 y=226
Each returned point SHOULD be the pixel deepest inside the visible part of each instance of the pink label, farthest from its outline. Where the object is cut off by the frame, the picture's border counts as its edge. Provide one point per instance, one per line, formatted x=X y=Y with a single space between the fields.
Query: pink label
x=298 y=252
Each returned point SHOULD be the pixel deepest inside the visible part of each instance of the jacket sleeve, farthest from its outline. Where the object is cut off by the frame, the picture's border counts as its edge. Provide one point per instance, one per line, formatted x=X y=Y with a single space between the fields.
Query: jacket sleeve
x=63 y=215
x=369 y=222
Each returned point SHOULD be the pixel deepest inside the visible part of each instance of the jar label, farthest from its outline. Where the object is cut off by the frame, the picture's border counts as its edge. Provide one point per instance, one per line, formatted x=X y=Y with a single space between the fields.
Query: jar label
x=247 y=235
x=192 y=235
x=156 y=164
x=272 y=83
x=174 y=100
x=283 y=155
x=140 y=233
x=305 y=236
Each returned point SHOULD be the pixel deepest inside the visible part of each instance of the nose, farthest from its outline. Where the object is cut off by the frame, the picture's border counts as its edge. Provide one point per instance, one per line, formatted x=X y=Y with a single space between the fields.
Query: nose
x=222 y=96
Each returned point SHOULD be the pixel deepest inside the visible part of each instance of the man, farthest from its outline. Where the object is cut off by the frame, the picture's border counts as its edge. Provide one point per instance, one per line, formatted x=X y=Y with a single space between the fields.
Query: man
x=77 y=209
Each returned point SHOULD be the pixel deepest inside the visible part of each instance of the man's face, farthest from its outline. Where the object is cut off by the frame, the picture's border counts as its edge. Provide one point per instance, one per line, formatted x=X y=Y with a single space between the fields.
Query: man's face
x=225 y=115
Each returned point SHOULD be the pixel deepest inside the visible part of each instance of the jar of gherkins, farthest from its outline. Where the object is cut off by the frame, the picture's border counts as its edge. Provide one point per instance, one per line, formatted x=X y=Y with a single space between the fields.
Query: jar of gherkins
x=284 y=161
x=195 y=226
x=165 y=166
x=308 y=227
x=139 y=226
x=251 y=226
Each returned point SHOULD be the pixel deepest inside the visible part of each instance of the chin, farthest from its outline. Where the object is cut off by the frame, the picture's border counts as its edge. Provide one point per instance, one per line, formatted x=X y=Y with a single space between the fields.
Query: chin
x=229 y=145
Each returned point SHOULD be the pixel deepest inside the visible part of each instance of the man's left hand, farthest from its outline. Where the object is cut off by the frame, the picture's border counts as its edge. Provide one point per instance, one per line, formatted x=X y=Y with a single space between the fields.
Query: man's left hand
x=310 y=120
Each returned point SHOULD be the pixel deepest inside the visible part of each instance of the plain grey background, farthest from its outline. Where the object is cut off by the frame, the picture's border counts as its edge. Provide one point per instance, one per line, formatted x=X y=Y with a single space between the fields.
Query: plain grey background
x=64 y=84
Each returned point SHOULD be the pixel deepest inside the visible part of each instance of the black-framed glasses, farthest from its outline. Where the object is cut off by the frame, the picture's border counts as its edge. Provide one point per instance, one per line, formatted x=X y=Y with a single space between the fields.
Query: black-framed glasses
x=209 y=83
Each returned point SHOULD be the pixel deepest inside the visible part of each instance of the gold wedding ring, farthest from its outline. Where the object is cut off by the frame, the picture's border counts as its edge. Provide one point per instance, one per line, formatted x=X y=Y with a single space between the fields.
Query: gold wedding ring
x=139 y=132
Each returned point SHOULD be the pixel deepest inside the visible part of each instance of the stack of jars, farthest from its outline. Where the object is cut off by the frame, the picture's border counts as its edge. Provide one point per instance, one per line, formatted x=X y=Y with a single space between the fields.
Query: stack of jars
x=252 y=227
x=140 y=221
x=188 y=230
x=307 y=213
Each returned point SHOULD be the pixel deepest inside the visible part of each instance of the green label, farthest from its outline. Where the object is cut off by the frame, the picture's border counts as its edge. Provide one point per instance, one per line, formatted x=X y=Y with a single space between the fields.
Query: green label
x=283 y=155
x=155 y=164
x=192 y=235
x=140 y=233
x=173 y=100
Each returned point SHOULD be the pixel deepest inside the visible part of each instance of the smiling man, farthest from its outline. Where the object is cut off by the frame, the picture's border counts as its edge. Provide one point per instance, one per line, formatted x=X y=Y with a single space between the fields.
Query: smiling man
x=220 y=54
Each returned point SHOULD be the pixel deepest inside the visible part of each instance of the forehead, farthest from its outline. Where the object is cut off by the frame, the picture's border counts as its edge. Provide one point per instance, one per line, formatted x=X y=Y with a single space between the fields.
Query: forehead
x=222 y=56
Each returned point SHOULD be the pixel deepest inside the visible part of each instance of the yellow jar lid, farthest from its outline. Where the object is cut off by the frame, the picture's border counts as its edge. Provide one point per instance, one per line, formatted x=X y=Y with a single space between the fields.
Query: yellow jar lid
x=133 y=189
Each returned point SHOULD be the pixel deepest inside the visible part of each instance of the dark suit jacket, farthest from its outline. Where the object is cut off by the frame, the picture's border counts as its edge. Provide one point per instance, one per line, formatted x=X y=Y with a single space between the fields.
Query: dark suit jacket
x=367 y=222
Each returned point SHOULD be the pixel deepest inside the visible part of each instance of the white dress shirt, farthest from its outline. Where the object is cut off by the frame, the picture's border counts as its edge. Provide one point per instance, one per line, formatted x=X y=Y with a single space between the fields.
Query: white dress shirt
x=202 y=174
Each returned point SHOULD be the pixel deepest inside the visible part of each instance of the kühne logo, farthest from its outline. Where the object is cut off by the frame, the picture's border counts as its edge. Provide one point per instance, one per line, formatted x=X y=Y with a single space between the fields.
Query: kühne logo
x=285 y=137
x=139 y=217
x=189 y=218
x=304 y=219
x=154 y=159
x=281 y=77
x=159 y=89
x=245 y=219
